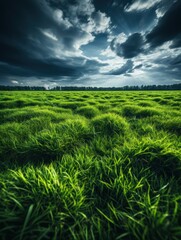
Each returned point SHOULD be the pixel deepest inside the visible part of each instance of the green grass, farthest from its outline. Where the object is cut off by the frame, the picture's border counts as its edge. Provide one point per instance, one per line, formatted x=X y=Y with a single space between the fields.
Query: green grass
x=88 y=111
x=110 y=124
x=90 y=165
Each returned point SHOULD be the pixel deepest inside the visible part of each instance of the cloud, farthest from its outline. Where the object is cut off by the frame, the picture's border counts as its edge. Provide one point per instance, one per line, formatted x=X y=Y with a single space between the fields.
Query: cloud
x=171 y=65
x=163 y=7
x=141 y=5
x=125 y=69
x=52 y=68
x=132 y=47
x=15 y=82
x=43 y=38
x=97 y=23
x=60 y=26
x=162 y=63
x=168 y=27
x=102 y=22
x=176 y=43
x=138 y=66
x=82 y=13
x=49 y=35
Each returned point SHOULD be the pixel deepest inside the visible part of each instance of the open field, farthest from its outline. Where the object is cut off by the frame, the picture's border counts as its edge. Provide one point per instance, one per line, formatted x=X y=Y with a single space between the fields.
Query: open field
x=90 y=165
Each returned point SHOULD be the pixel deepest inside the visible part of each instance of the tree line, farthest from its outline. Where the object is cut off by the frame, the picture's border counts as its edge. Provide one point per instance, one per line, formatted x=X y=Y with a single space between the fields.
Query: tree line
x=76 y=88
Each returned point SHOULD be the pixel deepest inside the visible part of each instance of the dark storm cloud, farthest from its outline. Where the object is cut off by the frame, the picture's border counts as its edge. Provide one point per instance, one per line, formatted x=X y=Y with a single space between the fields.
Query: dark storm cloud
x=168 y=27
x=30 y=33
x=124 y=21
x=170 y=62
x=125 y=69
x=138 y=66
x=22 y=23
x=176 y=43
x=168 y=67
x=132 y=47
x=51 y=67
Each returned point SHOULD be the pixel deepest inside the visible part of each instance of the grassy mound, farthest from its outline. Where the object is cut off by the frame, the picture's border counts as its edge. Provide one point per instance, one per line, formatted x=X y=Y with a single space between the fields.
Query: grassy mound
x=88 y=111
x=139 y=112
x=110 y=124
x=171 y=125
x=61 y=139
x=157 y=156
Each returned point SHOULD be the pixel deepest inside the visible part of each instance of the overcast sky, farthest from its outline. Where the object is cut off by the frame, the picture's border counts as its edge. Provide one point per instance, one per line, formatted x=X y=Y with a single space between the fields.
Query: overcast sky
x=90 y=42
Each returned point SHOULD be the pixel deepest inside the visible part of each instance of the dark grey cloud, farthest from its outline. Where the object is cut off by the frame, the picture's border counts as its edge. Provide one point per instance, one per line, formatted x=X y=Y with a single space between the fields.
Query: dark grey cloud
x=132 y=47
x=168 y=67
x=125 y=69
x=75 y=67
x=138 y=66
x=24 y=25
x=33 y=32
x=168 y=27
x=176 y=43
x=170 y=62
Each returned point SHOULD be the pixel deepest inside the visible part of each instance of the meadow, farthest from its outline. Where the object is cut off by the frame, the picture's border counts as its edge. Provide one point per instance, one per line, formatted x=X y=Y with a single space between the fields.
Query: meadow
x=90 y=165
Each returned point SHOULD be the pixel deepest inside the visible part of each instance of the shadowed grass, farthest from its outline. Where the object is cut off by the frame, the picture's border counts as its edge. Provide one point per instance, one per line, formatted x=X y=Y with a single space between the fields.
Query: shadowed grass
x=69 y=105
x=19 y=103
x=159 y=156
x=139 y=112
x=47 y=144
x=172 y=125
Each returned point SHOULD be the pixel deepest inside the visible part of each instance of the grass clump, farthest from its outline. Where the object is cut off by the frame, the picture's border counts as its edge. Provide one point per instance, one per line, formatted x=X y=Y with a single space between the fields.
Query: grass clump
x=110 y=124
x=130 y=111
x=157 y=156
x=139 y=112
x=32 y=112
x=69 y=105
x=148 y=112
x=60 y=139
x=171 y=125
x=88 y=111
x=145 y=104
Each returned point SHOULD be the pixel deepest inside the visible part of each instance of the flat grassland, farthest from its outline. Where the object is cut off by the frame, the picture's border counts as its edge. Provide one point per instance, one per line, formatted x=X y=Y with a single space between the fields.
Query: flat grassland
x=90 y=165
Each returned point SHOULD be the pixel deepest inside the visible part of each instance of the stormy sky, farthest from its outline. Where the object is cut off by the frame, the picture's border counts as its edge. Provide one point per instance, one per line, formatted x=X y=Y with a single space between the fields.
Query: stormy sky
x=107 y=43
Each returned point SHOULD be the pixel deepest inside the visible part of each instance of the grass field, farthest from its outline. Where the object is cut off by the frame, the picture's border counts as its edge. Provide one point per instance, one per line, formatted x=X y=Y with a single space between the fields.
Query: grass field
x=90 y=165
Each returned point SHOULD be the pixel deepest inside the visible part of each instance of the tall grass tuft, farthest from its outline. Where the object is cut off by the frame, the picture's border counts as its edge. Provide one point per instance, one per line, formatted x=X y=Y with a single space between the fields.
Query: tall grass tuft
x=60 y=139
x=110 y=124
x=88 y=111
